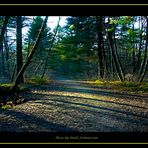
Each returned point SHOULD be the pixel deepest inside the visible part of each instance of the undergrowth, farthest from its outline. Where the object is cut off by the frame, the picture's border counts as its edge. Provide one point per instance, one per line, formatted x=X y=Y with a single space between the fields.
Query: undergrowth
x=39 y=80
x=9 y=99
x=123 y=86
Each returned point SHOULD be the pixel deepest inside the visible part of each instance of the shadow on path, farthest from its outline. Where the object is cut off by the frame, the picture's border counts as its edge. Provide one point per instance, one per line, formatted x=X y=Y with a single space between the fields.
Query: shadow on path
x=120 y=118
x=91 y=99
x=36 y=121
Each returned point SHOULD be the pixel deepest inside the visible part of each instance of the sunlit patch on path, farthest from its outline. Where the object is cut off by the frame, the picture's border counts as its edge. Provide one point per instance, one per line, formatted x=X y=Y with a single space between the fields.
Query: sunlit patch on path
x=69 y=105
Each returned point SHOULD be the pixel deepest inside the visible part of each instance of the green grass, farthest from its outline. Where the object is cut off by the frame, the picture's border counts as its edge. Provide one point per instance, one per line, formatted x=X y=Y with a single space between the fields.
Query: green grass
x=6 y=96
x=39 y=80
x=123 y=86
x=5 y=107
x=6 y=87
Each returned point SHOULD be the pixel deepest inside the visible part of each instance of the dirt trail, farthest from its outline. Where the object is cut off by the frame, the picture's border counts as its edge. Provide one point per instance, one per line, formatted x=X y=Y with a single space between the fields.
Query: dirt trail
x=68 y=105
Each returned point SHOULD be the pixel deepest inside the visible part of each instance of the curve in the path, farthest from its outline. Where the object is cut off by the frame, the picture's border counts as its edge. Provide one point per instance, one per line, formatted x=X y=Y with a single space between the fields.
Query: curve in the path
x=72 y=106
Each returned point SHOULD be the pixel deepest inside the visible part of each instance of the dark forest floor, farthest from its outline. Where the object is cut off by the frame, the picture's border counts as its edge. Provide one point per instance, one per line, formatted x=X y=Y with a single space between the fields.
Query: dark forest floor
x=69 y=105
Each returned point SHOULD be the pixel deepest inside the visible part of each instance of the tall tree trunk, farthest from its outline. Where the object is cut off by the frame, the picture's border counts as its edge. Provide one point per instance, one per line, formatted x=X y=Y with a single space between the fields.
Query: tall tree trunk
x=19 y=47
x=38 y=66
x=51 y=45
x=144 y=72
x=111 y=62
x=30 y=56
x=2 y=38
x=3 y=61
x=7 y=54
x=133 y=53
x=112 y=42
x=118 y=62
x=3 y=29
x=115 y=57
x=133 y=62
x=88 y=63
x=143 y=67
x=137 y=67
x=13 y=73
x=99 y=21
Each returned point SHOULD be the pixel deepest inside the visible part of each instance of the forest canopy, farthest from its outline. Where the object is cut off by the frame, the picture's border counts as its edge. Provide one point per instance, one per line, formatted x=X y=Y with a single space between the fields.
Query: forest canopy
x=86 y=47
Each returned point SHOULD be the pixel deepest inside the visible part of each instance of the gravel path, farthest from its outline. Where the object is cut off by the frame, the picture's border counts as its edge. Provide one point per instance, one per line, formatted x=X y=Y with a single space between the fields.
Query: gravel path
x=73 y=106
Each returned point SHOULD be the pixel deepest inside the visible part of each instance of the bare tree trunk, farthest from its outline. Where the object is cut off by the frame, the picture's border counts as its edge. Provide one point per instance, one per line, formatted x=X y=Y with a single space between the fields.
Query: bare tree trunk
x=51 y=45
x=30 y=56
x=1 y=40
x=137 y=67
x=36 y=69
x=144 y=72
x=3 y=29
x=7 y=55
x=133 y=62
x=143 y=67
x=115 y=57
x=3 y=61
x=111 y=72
x=19 y=46
x=99 y=21
x=13 y=74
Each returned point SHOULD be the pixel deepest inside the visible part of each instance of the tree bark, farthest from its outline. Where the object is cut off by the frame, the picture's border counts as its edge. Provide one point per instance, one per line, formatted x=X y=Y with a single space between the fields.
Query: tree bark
x=19 y=47
x=51 y=45
x=115 y=57
x=144 y=64
x=1 y=40
x=3 y=61
x=99 y=20
x=137 y=67
x=30 y=56
x=7 y=54
x=3 y=29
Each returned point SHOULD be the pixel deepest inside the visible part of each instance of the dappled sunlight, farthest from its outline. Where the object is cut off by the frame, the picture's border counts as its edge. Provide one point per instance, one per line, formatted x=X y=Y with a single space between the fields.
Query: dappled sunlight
x=93 y=98
x=79 y=107
x=86 y=117
x=89 y=75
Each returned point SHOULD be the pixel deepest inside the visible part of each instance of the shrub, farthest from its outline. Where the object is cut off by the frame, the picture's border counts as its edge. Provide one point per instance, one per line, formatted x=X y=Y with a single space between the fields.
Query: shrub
x=123 y=86
x=38 y=80
x=129 y=77
x=129 y=84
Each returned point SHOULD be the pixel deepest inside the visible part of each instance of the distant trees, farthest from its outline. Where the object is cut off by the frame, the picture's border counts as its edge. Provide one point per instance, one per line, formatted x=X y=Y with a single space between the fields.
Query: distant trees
x=117 y=44
x=30 y=56
x=87 y=47
x=50 y=48
x=100 y=41
x=18 y=50
x=144 y=64
x=37 y=65
x=4 y=21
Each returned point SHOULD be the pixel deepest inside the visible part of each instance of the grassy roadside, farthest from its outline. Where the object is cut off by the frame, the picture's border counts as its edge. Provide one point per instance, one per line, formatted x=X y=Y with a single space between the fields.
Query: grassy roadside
x=130 y=87
x=7 y=98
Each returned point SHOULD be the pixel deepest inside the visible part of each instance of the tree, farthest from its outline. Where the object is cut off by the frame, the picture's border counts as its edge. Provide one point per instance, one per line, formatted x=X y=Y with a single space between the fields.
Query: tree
x=5 y=22
x=30 y=56
x=51 y=45
x=84 y=29
x=7 y=54
x=101 y=63
x=113 y=47
x=19 y=47
x=44 y=46
x=144 y=65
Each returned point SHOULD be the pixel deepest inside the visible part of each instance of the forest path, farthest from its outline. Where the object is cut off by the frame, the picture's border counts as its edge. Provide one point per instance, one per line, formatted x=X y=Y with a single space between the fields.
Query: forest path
x=69 y=105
